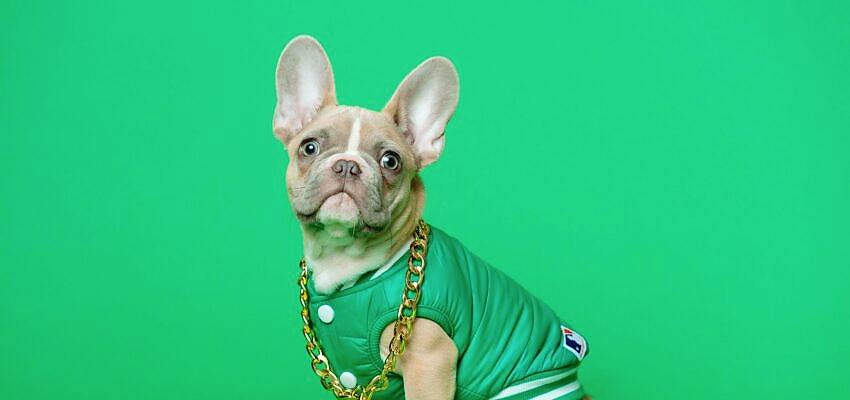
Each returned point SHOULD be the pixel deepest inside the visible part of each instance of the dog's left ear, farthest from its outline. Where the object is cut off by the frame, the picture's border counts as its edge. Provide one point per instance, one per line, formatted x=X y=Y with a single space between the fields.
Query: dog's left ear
x=423 y=104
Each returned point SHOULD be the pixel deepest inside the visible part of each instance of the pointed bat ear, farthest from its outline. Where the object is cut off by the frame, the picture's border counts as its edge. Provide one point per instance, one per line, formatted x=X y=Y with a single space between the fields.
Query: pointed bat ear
x=305 y=84
x=423 y=104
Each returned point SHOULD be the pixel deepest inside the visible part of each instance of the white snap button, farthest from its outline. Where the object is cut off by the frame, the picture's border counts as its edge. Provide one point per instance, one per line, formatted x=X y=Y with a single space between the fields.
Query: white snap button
x=348 y=380
x=326 y=313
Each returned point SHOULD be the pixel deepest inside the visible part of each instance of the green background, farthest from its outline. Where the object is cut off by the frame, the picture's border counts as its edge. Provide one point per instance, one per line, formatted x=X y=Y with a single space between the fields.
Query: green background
x=672 y=177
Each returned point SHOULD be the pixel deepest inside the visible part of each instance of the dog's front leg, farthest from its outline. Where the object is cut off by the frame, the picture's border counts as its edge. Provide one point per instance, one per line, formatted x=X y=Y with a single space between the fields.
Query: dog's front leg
x=428 y=364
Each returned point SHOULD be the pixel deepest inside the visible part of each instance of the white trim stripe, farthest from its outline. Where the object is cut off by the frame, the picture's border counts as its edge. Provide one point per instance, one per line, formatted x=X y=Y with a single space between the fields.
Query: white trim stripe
x=392 y=260
x=524 y=387
x=566 y=389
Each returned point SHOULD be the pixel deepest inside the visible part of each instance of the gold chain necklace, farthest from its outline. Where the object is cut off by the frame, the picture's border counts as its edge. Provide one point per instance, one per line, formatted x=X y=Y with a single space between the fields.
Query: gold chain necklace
x=401 y=330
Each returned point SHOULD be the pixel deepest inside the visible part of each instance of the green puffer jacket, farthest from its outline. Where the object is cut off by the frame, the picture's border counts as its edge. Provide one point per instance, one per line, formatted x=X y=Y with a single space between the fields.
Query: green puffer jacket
x=510 y=345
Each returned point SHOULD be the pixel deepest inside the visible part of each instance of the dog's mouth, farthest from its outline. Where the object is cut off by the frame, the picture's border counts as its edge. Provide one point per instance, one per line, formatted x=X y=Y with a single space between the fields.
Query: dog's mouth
x=339 y=201
x=340 y=204
x=311 y=214
x=339 y=208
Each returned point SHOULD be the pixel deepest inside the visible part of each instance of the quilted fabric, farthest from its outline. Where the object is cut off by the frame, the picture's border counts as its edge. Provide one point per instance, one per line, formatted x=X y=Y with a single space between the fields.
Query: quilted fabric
x=504 y=335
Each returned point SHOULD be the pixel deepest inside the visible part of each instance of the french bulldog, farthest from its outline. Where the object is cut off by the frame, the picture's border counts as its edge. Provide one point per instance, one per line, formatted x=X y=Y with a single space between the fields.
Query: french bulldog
x=353 y=184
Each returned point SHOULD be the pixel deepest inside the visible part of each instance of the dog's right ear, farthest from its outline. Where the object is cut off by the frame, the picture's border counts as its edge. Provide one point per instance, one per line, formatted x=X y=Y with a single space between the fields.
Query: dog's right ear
x=305 y=84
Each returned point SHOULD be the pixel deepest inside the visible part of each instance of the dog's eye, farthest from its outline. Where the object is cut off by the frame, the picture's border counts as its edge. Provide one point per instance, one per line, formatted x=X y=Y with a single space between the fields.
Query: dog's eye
x=390 y=160
x=310 y=147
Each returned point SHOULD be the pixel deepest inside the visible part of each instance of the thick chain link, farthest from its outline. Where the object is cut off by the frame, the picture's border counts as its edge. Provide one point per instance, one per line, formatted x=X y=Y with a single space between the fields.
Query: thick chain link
x=413 y=279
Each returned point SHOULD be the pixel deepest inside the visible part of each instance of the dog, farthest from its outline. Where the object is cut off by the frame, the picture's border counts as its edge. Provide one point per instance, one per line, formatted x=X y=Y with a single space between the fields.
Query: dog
x=352 y=181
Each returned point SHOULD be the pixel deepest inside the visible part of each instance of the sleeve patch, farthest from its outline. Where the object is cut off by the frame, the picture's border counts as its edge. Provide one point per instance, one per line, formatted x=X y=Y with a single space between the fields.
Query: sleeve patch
x=574 y=342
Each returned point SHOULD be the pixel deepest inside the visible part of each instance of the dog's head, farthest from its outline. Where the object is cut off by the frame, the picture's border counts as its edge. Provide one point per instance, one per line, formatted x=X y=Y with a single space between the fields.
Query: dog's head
x=350 y=169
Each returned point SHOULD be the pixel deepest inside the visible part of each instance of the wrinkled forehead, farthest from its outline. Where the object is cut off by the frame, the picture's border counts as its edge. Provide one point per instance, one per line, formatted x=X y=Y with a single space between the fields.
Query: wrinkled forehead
x=347 y=128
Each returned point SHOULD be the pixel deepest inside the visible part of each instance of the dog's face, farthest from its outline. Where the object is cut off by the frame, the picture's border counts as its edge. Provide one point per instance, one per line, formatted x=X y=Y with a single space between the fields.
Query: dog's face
x=350 y=169
x=349 y=166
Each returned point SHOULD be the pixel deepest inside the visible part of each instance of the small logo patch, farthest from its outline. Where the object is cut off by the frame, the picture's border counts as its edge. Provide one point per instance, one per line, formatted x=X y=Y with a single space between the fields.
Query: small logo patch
x=574 y=342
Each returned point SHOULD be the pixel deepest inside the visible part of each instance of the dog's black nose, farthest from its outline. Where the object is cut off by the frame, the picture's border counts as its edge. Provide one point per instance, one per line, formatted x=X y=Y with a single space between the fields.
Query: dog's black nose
x=346 y=168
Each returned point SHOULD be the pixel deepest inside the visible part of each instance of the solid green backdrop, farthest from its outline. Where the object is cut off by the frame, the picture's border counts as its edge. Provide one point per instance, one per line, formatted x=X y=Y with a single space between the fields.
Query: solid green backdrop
x=672 y=177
